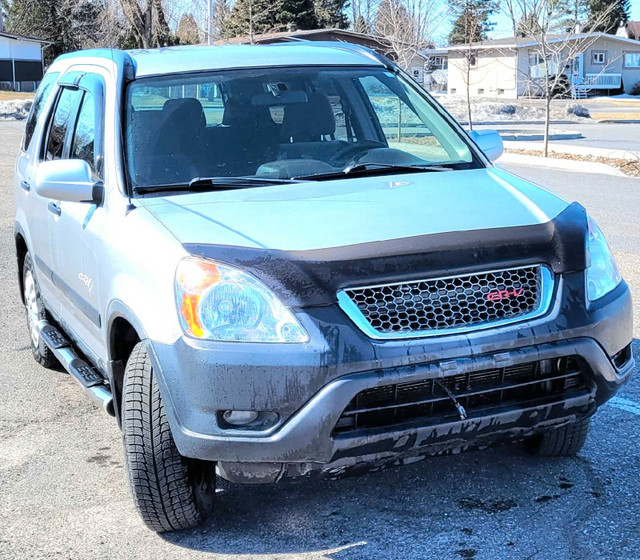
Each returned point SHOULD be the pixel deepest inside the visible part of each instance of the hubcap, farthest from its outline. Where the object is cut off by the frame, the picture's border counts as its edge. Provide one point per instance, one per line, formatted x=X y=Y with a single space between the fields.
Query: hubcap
x=33 y=312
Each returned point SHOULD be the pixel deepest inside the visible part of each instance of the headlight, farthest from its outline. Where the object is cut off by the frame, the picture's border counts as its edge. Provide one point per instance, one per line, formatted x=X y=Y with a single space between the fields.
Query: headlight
x=602 y=275
x=219 y=302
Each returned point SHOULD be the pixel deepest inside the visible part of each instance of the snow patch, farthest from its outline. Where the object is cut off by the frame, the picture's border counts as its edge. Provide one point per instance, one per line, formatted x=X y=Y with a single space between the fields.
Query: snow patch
x=15 y=109
x=483 y=110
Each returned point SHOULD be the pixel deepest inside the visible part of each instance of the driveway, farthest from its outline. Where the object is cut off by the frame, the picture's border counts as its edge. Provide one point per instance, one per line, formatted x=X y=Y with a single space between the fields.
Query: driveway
x=63 y=492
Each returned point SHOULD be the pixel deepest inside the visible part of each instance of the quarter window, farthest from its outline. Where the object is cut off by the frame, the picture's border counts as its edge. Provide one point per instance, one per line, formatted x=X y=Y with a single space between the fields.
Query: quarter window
x=60 y=123
x=83 y=146
x=45 y=89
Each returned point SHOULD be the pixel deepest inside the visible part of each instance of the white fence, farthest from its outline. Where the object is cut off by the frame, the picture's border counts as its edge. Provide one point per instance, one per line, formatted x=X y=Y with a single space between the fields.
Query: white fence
x=602 y=81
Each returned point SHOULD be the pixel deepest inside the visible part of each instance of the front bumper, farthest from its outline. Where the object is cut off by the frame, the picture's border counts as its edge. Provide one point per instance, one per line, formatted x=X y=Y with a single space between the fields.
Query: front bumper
x=310 y=385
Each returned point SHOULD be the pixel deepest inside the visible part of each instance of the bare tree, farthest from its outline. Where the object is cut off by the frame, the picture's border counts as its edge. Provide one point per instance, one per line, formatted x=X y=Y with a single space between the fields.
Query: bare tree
x=407 y=25
x=363 y=15
x=147 y=22
x=553 y=53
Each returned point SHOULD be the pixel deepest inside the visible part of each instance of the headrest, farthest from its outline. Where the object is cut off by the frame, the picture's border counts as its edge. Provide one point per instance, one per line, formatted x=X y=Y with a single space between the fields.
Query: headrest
x=239 y=112
x=310 y=121
x=188 y=111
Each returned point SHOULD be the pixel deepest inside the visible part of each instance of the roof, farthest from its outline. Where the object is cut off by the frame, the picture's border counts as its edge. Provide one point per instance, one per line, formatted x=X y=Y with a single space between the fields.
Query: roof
x=522 y=42
x=378 y=42
x=633 y=28
x=300 y=33
x=150 y=62
x=23 y=38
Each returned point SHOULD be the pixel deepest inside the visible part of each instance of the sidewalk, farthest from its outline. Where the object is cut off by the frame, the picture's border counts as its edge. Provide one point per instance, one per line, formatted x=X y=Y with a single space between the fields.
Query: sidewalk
x=576 y=166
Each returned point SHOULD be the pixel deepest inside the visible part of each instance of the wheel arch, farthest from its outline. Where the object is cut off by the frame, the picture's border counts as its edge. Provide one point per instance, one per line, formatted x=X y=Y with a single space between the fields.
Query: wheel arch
x=124 y=331
x=21 y=252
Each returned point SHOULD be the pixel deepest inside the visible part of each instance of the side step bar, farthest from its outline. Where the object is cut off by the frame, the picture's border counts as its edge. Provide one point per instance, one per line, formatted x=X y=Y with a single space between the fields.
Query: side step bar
x=88 y=378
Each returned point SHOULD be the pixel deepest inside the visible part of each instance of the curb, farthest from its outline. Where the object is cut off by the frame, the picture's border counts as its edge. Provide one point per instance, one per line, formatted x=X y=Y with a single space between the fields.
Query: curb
x=564 y=164
x=533 y=136
x=576 y=150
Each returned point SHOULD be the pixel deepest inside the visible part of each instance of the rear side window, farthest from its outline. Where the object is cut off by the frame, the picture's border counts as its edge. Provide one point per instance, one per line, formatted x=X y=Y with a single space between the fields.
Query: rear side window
x=45 y=89
x=60 y=123
x=83 y=146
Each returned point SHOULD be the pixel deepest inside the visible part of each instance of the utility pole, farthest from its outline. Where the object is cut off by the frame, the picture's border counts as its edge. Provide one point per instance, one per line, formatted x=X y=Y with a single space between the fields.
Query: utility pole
x=210 y=22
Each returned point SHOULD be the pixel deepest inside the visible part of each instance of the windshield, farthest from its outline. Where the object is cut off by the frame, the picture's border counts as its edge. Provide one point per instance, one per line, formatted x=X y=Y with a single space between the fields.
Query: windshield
x=282 y=123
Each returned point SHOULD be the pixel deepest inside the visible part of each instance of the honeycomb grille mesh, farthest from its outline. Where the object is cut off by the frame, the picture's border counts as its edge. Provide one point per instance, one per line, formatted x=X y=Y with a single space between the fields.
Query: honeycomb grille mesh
x=449 y=303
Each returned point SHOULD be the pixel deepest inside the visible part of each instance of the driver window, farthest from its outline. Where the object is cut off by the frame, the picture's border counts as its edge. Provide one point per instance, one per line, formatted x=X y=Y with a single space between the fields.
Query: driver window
x=60 y=121
x=83 y=145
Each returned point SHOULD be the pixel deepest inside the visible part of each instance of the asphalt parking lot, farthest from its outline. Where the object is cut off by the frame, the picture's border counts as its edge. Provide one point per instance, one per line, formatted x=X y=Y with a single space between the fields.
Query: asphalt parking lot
x=63 y=492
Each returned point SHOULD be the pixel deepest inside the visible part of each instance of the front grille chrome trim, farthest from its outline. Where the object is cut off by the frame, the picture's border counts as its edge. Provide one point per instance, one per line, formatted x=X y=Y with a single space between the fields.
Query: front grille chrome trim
x=352 y=310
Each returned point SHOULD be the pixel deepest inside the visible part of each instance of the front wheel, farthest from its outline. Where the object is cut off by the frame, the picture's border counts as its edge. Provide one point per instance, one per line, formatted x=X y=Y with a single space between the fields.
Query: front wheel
x=171 y=492
x=566 y=441
x=36 y=312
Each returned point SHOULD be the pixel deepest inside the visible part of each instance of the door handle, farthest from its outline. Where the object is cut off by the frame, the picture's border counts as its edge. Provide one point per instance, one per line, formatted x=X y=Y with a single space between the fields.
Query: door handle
x=25 y=185
x=54 y=208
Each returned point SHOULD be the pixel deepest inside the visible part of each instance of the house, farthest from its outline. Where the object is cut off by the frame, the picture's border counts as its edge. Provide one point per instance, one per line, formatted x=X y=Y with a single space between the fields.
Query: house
x=374 y=42
x=630 y=29
x=436 y=68
x=514 y=67
x=21 y=62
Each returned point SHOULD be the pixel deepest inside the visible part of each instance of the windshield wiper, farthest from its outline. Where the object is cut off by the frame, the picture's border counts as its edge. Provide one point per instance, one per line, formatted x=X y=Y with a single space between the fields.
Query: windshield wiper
x=372 y=169
x=199 y=184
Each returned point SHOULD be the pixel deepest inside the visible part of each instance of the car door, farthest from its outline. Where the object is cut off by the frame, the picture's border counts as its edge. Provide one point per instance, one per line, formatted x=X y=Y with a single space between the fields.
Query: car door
x=54 y=146
x=31 y=207
x=79 y=225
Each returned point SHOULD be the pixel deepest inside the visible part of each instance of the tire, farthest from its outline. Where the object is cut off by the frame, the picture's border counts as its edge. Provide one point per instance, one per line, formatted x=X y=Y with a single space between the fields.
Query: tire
x=171 y=492
x=36 y=312
x=561 y=442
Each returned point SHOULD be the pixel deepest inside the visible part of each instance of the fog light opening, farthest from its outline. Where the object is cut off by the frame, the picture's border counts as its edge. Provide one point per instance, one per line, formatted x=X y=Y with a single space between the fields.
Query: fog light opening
x=247 y=419
x=239 y=417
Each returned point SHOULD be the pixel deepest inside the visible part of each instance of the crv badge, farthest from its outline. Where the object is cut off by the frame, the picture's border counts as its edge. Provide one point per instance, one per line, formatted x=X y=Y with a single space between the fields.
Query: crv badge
x=504 y=294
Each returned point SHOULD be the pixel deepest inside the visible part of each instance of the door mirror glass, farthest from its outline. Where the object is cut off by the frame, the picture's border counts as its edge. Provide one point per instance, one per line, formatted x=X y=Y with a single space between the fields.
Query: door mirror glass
x=70 y=180
x=489 y=141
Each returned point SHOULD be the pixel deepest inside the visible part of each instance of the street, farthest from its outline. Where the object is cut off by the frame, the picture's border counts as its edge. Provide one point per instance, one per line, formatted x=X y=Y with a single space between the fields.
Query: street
x=64 y=494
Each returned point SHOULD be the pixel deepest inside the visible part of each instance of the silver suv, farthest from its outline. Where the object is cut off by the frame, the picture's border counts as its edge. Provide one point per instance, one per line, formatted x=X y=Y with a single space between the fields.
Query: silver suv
x=285 y=261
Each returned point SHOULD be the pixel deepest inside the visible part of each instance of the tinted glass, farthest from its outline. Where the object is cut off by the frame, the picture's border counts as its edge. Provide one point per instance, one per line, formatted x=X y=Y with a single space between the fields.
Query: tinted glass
x=282 y=123
x=84 y=136
x=46 y=86
x=60 y=122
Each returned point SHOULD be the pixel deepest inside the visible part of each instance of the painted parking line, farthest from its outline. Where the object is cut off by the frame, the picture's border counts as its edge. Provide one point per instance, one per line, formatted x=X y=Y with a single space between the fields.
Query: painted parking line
x=625 y=404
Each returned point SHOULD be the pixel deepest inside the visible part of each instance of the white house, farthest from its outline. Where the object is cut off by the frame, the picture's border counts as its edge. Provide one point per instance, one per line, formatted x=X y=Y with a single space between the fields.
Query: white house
x=514 y=67
x=21 y=62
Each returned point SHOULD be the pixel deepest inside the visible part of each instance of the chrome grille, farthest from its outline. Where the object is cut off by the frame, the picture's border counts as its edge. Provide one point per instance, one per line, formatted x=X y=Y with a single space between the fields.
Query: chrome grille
x=450 y=304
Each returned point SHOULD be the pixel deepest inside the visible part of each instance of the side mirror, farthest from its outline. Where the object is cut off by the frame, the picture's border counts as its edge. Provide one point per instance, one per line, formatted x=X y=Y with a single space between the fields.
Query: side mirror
x=69 y=180
x=489 y=141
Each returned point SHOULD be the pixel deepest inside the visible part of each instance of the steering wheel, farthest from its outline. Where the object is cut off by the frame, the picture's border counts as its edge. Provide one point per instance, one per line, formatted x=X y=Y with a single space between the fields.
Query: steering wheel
x=348 y=152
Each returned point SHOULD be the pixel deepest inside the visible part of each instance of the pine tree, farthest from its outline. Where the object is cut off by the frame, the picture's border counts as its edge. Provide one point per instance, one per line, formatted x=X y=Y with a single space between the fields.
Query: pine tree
x=255 y=17
x=471 y=22
x=606 y=16
x=297 y=14
x=188 y=32
x=330 y=14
